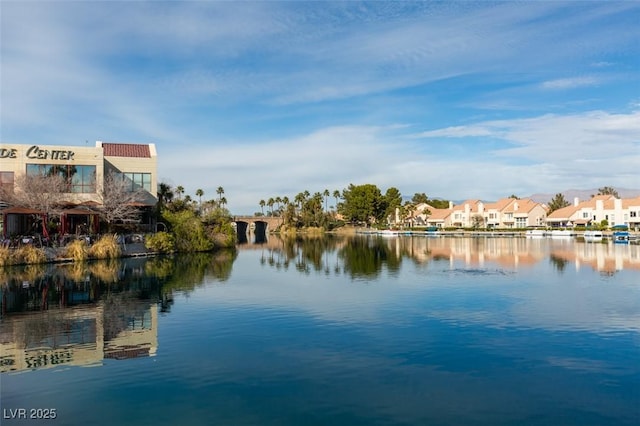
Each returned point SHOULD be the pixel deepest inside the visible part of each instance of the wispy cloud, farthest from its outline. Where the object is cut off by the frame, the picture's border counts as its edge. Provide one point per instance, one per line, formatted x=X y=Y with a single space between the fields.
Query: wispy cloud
x=569 y=83
x=278 y=97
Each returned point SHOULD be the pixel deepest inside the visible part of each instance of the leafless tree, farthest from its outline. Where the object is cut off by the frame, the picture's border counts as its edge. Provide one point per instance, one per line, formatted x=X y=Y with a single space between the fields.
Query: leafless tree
x=42 y=193
x=477 y=221
x=38 y=192
x=119 y=200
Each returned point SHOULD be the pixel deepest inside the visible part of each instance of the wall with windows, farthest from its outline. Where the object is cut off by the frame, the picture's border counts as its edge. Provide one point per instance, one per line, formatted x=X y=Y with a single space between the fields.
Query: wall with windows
x=80 y=167
x=138 y=171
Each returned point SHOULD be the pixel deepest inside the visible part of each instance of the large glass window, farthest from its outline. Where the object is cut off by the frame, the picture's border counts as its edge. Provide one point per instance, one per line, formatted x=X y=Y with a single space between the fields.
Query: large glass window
x=139 y=181
x=80 y=179
x=84 y=180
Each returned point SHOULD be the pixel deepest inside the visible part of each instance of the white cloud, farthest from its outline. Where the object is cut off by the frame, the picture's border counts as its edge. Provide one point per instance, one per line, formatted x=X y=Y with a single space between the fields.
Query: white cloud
x=569 y=83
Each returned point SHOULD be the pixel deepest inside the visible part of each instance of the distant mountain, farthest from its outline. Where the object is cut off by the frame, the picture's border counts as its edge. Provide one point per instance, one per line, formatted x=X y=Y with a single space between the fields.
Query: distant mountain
x=583 y=194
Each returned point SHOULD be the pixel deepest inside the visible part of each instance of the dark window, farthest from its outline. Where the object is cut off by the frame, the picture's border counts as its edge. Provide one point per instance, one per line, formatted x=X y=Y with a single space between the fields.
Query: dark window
x=80 y=179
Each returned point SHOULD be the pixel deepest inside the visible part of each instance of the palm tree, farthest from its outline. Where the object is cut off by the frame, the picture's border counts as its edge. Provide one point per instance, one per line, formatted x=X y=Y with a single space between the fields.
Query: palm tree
x=180 y=191
x=336 y=195
x=165 y=193
x=199 y=193
x=262 y=203
x=608 y=190
x=278 y=200
x=270 y=203
x=285 y=200
x=220 y=191
x=326 y=196
x=299 y=199
x=223 y=201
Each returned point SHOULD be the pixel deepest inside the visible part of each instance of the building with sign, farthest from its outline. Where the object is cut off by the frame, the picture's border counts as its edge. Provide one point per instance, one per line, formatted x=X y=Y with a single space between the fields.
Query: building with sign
x=83 y=170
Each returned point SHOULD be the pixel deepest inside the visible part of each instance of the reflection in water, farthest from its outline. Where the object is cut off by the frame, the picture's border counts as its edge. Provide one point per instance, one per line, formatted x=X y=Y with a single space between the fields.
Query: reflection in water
x=368 y=256
x=445 y=331
x=80 y=314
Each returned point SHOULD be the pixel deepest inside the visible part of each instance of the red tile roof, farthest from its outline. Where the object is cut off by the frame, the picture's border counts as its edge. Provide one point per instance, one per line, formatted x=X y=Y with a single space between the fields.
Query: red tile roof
x=126 y=150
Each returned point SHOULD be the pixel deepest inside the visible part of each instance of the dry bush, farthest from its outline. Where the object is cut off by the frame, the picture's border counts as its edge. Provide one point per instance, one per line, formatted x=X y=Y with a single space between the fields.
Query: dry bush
x=77 y=250
x=106 y=247
x=28 y=254
x=5 y=256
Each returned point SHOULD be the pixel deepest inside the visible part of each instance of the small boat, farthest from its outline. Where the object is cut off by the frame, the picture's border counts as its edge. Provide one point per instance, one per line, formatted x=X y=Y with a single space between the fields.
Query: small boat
x=593 y=236
x=432 y=231
x=535 y=233
x=388 y=233
x=621 y=237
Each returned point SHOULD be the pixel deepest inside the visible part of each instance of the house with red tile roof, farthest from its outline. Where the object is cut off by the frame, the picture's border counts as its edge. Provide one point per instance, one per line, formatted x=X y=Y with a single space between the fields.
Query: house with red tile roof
x=615 y=211
x=504 y=213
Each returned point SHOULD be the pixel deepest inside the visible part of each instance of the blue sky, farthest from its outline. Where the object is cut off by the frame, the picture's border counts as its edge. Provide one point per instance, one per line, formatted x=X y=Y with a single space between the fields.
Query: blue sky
x=455 y=99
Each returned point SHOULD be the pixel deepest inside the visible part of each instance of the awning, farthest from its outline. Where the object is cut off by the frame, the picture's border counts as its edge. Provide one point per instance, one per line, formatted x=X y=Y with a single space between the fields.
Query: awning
x=20 y=210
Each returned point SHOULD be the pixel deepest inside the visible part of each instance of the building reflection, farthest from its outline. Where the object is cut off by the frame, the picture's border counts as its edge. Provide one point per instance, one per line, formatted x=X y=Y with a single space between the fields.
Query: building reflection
x=78 y=336
x=82 y=314
x=368 y=255
x=514 y=253
x=69 y=316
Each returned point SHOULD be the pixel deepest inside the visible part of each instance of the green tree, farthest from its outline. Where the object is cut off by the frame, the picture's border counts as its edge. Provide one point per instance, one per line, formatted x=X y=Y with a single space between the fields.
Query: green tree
x=392 y=200
x=188 y=230
x=557 y=202
x=439 y=204
x=262 y=204
x=220 y=191
x=362 y=203
x=419 y=198
x=514 y=197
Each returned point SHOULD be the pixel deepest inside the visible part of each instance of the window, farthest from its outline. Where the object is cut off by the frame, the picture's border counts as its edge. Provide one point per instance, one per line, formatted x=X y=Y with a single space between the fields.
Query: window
x=139 y=181
x=6 y=181
x=80 y=179
x=633 y=213
x=521 y=222
x=585 y=215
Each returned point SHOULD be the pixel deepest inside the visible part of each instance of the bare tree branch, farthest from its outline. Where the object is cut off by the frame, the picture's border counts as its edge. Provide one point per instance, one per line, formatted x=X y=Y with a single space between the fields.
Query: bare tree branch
x=38 y=192
x=120 y=201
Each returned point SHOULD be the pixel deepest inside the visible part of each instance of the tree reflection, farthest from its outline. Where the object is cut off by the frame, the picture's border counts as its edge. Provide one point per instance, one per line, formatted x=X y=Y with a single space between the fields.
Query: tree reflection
x=43 y=287
x=365 y=257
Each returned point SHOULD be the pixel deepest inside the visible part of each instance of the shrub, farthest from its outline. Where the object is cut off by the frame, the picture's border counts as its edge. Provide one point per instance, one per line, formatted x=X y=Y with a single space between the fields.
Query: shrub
x=106 y=247
x=4 y=256
x=29 y=254
x=161 y=242
x=189 y=231
x=77 y=250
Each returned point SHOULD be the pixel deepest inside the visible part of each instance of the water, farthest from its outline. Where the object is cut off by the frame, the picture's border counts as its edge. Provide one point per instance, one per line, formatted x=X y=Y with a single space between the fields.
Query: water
x=365 y=331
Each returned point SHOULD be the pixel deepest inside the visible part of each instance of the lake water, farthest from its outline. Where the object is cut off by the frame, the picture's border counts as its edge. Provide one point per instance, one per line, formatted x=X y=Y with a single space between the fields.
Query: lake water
x=361 y=331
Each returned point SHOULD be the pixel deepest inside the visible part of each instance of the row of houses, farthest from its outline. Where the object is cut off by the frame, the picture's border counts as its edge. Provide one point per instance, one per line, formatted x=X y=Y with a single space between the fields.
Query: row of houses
x=509 y=213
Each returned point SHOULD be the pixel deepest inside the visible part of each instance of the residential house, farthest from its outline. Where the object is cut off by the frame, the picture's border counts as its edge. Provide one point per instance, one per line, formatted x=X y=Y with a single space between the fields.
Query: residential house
x=614 y=211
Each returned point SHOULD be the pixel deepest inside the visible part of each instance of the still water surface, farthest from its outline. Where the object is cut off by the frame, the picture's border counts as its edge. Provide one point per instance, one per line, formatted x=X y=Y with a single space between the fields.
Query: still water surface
x=362 y=331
